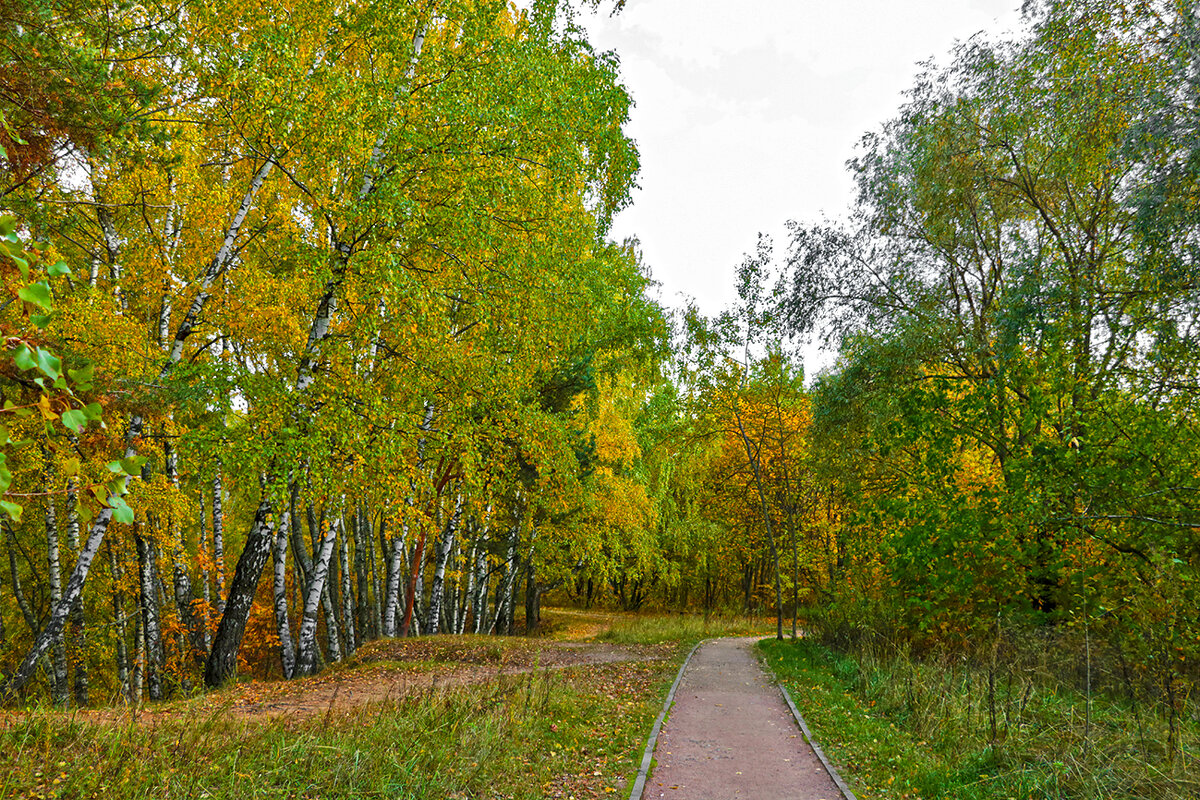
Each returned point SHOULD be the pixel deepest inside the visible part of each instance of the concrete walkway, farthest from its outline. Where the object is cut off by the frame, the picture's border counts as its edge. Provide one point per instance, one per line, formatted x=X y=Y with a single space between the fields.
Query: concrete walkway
x=731 y=735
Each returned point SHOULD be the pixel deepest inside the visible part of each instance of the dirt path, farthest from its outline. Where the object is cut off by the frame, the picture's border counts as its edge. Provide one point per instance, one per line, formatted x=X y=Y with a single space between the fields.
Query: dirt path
x=387 y=670
x=398 y=668
x=730 y=735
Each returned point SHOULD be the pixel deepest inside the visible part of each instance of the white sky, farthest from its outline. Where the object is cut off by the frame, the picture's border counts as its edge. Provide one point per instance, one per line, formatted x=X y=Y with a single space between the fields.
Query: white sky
x=747 y=111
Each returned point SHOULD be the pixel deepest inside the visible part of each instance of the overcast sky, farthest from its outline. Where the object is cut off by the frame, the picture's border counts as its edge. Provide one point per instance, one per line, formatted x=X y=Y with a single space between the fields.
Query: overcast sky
x=747 y=111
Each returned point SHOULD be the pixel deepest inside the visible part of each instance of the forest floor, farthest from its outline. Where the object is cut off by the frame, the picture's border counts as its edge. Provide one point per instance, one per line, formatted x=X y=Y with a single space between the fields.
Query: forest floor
x=391 y=669
x=560 y=715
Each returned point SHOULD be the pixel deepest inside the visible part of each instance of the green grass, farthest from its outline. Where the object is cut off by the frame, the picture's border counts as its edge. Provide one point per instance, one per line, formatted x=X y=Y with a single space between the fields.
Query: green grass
x=908 y=730
x=687 y=629
x=518 y=737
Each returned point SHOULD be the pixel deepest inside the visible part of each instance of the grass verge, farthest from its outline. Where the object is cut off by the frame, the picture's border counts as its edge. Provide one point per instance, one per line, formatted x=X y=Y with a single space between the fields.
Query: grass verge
x=904 y=730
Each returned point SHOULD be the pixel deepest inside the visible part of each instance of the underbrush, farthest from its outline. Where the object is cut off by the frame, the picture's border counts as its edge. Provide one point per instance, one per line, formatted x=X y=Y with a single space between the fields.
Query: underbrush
x=899 y=728
x=547 y=734
x=686 y=629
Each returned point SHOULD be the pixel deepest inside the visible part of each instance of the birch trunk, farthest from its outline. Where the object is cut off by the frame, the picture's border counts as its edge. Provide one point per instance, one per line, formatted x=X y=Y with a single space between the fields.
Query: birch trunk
x=300 y=551
x=332 y=639
x=279 y=586
x=306 y=663
x=218 y=539
x=419 y=594
x=78 y=640
x=150 y=617
x=450 y=601
x=442 y=556
x=410 y=601
x=139 y=658
x=362 y=539
x=479 y=603
x=222 y=659
x=19 y=593
x=373 y=565
x=468 y=597
x=59 y=690
x=510 y=599
x=112 y=243
x=396 y=564
x=348 y=626
x=193 y=639
x=391 y=590
x=118 y=604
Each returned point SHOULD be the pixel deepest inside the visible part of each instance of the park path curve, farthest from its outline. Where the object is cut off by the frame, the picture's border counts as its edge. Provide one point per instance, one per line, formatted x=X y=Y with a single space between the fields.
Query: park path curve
x=731 y=735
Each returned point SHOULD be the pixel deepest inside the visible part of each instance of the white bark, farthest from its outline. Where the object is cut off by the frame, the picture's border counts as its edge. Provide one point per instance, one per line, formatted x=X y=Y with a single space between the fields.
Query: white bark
x=442 y=557
x=279 y=553
x=78 y=639
x=58 y=659
x=218 y=539
x=118 y=605
x=306 y=663
x=395 y=573
x=193 y=637
x=348 y=631
x=150 y=616
x=479 y=601
x=468 y=597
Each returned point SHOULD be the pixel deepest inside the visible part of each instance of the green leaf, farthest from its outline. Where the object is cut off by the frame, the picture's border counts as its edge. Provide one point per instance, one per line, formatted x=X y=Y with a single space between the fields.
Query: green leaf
x=38 y=294
x=115 y=466
x=75 y=419
x=22 y=265
x=23 y=358
x=49 y=364
x=41 y=320
x=133 y=464
x=93 y=411
x=5 y=478
x=12 y=509
x=58 y=269
x=121 y=510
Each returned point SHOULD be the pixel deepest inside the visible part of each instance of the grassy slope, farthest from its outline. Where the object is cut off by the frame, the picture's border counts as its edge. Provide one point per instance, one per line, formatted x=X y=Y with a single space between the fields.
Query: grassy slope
x=576 y=732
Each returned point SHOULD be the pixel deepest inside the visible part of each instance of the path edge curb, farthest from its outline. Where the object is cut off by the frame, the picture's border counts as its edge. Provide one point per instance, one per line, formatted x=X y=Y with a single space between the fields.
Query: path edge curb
x=812 y=742
x=639 y=784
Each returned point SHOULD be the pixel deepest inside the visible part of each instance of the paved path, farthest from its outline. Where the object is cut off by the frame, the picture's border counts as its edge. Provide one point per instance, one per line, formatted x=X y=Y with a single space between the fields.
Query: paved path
x=730 y=735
